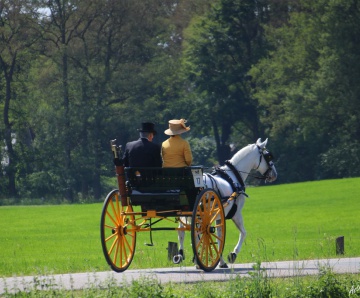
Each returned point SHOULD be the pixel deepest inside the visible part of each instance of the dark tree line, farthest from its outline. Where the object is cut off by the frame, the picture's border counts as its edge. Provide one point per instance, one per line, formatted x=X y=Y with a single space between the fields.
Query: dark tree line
x=75 y=74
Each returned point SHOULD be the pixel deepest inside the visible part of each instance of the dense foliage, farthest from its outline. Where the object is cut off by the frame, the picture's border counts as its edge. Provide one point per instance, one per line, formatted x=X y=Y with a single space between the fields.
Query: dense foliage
x=75 y=74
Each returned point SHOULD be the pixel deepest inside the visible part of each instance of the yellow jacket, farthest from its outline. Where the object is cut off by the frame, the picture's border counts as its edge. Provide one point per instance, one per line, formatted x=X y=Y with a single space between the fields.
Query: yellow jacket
x=176 y=152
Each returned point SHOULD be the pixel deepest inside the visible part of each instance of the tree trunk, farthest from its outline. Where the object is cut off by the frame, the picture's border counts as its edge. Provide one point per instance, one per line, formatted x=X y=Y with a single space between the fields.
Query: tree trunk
x=10 y=170
x=222 y=146
x=67 y=134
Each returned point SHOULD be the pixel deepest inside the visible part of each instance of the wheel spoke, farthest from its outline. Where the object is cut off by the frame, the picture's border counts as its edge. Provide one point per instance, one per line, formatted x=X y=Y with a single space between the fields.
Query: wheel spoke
x=118 y=205
x=110 y=237
x=114 y=213
x=113 y=245
x=117 y=252
x=111 y=218
x=213 y=218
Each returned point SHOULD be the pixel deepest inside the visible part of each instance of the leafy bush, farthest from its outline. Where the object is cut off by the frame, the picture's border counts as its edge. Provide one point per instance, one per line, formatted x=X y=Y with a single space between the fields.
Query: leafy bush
x=257 y=285
x=327 y=285
x=339 y=160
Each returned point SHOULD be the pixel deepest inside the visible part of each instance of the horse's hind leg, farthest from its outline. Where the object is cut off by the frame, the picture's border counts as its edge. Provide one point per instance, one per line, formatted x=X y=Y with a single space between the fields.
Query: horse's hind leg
x=177 y=259
x=219 y=232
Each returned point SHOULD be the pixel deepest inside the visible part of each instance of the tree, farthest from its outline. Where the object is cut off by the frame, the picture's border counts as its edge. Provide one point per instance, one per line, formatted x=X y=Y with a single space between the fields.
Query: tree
x=114 y=50
x=220 y=49
x=120 y=43
x=62 y=27
x=307 y=86
x=16 y=39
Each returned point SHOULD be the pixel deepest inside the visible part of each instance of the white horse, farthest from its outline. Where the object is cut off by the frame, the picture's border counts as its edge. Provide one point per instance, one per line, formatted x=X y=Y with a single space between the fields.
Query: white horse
x=230 y=179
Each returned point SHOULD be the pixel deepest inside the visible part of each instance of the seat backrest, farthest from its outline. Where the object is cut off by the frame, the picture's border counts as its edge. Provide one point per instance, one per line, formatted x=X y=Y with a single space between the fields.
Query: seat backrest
x=156 y=179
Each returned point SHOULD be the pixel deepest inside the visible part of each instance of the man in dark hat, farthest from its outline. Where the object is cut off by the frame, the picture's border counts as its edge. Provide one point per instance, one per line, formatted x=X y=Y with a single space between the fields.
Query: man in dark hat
x=143 y=152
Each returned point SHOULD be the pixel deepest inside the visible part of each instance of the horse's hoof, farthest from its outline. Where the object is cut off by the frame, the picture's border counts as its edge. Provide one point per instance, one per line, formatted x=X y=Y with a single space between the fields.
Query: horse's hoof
x=232 y=257
x=224 y=266
x=177 y=259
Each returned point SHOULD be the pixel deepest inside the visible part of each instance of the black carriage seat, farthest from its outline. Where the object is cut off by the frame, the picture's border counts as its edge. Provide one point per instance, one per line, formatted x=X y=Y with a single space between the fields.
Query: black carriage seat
x=162 y=188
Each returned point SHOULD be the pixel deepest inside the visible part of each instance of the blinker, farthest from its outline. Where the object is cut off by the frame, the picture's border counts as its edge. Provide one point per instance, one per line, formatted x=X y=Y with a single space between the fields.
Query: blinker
x=268 y=156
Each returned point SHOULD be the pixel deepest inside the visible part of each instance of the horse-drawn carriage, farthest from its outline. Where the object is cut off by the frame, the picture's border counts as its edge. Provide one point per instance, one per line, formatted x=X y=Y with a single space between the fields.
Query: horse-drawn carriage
x=147 y=196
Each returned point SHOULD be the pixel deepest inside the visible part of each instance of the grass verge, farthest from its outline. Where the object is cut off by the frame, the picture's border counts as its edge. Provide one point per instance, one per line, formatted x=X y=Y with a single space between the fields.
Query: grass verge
x=326 y=284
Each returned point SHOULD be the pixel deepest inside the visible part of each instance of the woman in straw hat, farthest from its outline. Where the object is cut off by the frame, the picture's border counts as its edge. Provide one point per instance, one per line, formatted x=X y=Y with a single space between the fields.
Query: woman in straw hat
x=175 y=151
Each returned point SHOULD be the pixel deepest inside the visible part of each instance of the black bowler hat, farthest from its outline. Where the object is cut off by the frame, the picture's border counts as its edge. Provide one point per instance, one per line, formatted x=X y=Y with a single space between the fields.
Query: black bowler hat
x=147 y=127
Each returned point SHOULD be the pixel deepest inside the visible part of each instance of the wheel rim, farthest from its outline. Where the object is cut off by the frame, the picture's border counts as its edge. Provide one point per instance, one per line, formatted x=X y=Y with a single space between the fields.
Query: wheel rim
x=207 y=218
x=118 y=233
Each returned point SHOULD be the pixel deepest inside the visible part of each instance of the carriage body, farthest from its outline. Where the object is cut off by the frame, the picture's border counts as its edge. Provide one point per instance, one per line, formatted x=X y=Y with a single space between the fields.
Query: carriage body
x=163 y=189
x=169 y=194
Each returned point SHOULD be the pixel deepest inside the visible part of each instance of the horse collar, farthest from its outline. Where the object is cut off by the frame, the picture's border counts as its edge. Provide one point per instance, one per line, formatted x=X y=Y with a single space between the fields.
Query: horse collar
x=236 y=173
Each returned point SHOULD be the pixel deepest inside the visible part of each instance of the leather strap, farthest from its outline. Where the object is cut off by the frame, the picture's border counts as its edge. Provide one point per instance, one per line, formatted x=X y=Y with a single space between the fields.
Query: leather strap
x=236 y=173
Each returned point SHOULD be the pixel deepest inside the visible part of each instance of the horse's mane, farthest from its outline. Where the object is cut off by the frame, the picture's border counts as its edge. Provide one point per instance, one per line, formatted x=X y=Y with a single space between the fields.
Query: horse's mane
x=240 y=154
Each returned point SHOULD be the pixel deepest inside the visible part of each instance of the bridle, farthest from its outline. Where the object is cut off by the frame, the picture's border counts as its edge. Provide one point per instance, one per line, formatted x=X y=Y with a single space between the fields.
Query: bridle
x=268 y=156
x=264 y=153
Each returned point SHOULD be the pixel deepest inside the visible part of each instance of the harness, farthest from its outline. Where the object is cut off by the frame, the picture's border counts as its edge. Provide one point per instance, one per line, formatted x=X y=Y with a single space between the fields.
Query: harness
x=238 y=188
x=236 y=173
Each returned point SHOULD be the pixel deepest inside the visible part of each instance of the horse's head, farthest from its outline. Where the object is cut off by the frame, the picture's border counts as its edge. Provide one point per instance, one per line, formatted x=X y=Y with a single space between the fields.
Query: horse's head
x=266 y=166
x=255 y=157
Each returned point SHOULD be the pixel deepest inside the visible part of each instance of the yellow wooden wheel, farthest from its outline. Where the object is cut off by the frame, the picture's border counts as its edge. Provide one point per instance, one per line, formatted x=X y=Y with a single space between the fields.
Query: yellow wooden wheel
x=208 y=229
x=118 y=232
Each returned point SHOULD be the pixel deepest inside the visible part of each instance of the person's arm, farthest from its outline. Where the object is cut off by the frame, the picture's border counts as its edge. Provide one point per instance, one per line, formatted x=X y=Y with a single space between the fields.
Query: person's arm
x=126 y=156
x=188 y=154
x=159 y=157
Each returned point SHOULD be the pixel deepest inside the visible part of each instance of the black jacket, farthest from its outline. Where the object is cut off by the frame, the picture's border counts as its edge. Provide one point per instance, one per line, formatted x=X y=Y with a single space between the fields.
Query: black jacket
x=142 y=153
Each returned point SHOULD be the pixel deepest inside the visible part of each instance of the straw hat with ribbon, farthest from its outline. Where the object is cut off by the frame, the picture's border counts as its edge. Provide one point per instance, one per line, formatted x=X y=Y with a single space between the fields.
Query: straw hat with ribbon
x=177 y=127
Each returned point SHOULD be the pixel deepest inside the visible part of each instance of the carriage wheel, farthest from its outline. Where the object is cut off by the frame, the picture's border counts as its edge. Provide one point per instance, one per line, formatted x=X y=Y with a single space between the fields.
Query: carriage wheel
x=118 y=233
x=208 y=229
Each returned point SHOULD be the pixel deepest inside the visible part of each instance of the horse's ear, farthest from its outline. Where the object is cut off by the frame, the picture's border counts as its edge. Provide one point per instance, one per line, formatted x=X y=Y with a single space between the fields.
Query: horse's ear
x=263 y=144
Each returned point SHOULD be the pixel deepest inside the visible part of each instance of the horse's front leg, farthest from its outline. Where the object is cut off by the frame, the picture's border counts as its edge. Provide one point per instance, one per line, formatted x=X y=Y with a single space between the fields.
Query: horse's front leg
x=240 y=225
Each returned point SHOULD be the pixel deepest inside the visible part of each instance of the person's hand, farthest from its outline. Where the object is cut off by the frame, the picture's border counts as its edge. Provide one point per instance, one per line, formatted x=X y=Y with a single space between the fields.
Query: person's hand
x=118 y=162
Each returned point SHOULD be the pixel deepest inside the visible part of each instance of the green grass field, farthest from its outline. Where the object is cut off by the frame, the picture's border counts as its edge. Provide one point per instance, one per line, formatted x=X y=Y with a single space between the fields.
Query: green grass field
x=283 y=222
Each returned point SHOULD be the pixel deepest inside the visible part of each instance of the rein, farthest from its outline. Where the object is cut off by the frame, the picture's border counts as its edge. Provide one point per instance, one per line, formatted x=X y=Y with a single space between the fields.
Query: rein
x=238 y=176
x=267 y=156
x=254 y=176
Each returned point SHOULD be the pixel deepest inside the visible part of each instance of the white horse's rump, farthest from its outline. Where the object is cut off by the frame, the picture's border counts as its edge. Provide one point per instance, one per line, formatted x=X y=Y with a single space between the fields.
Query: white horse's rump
x=254 y=156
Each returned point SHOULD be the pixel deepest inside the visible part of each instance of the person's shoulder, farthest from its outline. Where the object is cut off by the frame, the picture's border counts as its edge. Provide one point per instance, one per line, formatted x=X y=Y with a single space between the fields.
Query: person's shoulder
x=182 y=140
x=186 y=142
x=132 y=143
x=155 y=145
